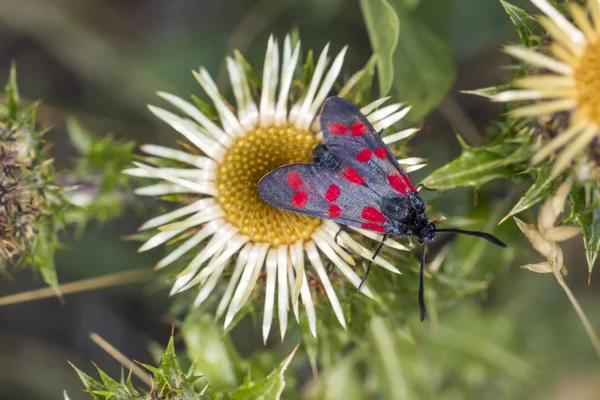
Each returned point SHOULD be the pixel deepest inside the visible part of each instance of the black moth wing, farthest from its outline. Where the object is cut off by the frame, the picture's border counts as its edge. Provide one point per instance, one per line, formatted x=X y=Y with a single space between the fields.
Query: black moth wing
x=353 y=141
x=323 y=193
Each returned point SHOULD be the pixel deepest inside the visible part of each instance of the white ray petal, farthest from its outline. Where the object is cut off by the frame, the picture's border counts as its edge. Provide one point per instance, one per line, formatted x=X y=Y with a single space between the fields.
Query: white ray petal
x=375 y=236
x=287 y=74
x=213 y=129
x=383 y=112
x=328 y=82
x=544 y=108
x=398 y=136
x=347 y=241
x=160 y=189
x=189 y=129
x=158 y=239
x=209 y=285
x=216 y=243
x=180 y=212
x=291 y=277
x=309 y=306
x=205 y=187
x=178 y=155
x=331 y=242
x=568 y=28
x=186 y=246
x=231 y=247
x=312 y=88
x=282 y=289
x=235 y=77
x=315 y=259
x=366 y=110
x=244 y=283
x=350 y=83
x=241 y=262
x=559 y=141
x=414 y=168
x=571 y=150
x=539 y=60
x=297 y=257
x=259 y=264
x=391 y=120
x=410 y=160
x=344 y=268
x=269 y=293
x=231 y=125
x=517 y=95
x=210 y=213
x=185 y=173
x=252 y=109
x=367 y=254
x=269 y=85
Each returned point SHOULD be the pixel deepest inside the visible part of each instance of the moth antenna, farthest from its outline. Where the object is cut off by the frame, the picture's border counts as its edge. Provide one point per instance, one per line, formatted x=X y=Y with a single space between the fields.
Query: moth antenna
x=483 y=235
x=421 y=286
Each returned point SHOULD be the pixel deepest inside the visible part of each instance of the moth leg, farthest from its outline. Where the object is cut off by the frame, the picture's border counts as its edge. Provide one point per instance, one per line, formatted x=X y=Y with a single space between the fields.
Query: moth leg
x=371 y=261
x=421 y=186
x=343 y=228
x=410 y=243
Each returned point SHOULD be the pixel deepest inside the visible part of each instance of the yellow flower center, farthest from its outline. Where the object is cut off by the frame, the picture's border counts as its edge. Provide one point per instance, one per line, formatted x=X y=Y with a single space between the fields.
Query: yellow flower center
x=587 y=82
x=247 y=160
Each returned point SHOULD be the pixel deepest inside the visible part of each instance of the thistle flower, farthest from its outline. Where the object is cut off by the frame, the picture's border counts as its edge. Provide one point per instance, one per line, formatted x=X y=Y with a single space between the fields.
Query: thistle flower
x=30 y=201
x=224 y=220
x=569 y=81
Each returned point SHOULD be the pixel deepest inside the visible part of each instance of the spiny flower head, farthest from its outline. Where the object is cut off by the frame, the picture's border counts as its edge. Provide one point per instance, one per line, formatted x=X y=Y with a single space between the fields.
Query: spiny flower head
x=223 y=222
x=568 y=82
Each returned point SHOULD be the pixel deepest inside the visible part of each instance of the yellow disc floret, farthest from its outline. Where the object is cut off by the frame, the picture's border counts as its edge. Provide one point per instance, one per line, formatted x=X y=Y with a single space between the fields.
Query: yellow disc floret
x=247 y=160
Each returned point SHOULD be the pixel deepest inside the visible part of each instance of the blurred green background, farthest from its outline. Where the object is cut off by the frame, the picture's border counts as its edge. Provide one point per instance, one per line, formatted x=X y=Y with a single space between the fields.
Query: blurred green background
x=101 y=61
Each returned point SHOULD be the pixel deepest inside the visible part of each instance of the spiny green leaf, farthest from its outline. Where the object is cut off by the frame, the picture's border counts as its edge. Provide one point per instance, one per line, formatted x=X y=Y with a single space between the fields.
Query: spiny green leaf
x=213 y=354
x=90 y=383
x=117 y=390
x=586 y=214
x=361 y=90
x=12 y=93
x=424 y=67
x=527 y=26
x=543 y=187
x=383 y=27
x=268 y=388
x=81 y=138
x=478 y=165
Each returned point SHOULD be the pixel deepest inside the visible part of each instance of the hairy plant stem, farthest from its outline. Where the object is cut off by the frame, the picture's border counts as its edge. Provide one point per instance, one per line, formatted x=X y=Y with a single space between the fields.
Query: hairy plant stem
x=584 y=320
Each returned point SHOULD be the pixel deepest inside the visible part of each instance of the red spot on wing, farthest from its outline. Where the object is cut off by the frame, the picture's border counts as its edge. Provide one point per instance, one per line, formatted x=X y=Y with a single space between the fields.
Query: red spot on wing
x=364 y=155
x=337 y=128
x=381 y=152
x=358 y=129
x=373 y=227
x=332 y=193
x=397 y=183
x=409 y=183
x=334 y=211
x=373 y=214
x=353 y=176
x=293 y=180
x=300 y=199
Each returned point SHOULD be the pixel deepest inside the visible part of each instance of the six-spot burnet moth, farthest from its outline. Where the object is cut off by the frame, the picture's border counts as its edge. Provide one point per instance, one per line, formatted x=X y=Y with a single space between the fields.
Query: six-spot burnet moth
x=355 y=180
